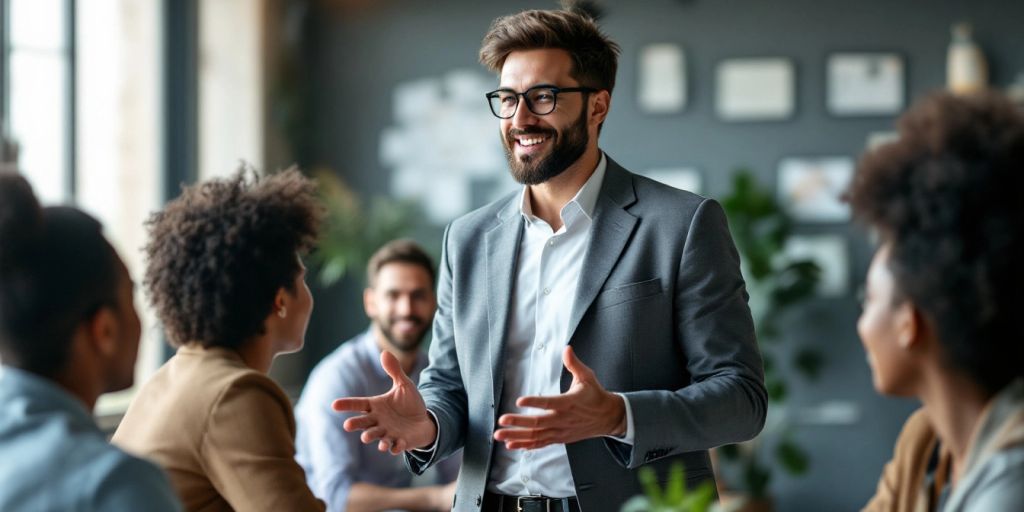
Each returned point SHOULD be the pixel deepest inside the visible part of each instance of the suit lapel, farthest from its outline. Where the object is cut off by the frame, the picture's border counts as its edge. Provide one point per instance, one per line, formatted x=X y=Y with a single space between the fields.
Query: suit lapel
x=610 y=232
x=502 y=245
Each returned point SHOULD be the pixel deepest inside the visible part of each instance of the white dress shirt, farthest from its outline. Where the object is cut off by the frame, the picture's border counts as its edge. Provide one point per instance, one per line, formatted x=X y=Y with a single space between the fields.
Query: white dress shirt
x=547 y=275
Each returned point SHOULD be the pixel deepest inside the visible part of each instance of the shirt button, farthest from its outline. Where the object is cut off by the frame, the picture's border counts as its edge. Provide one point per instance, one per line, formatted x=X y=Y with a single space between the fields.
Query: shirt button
x=524 y=478
x=540 y=346
x=551 y=242
x=547 y=291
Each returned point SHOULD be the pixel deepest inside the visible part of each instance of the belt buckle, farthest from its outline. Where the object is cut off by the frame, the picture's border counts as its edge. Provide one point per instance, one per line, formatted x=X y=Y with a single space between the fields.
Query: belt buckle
x=519 y=502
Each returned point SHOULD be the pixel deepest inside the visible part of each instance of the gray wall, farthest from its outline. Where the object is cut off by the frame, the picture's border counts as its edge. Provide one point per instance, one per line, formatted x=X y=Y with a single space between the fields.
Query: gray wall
x=359 y=56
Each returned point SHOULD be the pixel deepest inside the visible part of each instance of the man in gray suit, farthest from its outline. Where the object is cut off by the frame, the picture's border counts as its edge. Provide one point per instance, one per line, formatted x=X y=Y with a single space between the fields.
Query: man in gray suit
x=592 y=323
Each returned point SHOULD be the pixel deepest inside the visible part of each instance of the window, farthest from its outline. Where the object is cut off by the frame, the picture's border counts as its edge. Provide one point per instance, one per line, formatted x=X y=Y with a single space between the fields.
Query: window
x=84 y=108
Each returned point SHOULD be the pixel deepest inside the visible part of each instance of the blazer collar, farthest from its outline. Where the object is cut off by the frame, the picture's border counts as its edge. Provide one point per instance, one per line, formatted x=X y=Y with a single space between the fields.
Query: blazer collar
x=610 y=233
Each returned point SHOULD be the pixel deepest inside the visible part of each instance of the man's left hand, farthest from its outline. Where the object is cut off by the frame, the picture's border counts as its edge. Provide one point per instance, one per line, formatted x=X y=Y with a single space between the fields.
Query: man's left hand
x=586 y=410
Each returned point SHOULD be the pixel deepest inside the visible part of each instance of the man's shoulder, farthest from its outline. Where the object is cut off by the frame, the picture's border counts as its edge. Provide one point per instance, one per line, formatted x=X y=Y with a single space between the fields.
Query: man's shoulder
x=486 y=216
x=670 y=208
x=653 y=193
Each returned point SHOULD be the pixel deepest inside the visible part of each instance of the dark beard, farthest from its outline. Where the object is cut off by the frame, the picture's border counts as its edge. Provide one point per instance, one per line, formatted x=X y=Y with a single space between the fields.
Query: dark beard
x=568 y=148
x=404 y=345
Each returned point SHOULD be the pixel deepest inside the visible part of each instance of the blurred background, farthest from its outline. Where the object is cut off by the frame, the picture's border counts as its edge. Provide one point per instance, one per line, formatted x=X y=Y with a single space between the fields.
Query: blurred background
x=113 y=104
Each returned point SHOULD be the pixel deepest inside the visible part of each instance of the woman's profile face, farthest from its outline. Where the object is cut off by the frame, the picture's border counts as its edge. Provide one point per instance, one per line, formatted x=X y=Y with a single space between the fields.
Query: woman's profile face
x=883 y=327
x=299 y=310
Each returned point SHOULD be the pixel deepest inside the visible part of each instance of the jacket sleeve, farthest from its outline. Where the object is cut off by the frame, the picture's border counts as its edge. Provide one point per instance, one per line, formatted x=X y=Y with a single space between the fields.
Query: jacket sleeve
x=248 y=448
x=441 y=382
x=726 y=401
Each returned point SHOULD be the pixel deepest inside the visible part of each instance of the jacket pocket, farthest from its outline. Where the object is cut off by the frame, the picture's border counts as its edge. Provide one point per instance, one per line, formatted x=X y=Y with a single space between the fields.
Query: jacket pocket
x=627 y=293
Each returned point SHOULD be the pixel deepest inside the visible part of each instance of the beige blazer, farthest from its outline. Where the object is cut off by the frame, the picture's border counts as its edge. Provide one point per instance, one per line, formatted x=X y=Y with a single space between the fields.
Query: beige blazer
x=225 y=434
x=902 y=485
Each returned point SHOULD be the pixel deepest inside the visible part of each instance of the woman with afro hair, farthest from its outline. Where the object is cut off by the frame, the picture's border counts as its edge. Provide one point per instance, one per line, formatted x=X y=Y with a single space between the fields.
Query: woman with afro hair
x=944 y=291
x=225 y=276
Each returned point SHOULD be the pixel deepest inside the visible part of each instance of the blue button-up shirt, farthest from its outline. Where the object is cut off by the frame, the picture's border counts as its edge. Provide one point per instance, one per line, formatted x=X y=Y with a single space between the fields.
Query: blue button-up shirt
x=332 y=458
x=54 y=457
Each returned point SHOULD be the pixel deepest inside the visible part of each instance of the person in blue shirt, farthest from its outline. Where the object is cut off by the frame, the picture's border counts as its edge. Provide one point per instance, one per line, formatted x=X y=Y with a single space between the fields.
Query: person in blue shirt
x=68 y=333
x=341 y=470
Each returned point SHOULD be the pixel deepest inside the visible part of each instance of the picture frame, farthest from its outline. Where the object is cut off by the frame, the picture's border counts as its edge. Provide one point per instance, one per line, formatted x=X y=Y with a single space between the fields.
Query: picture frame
x=865 y=84
x=810 y=188
x=831 y=253
x=682 y=178
x=661 y=78
x=755 y=89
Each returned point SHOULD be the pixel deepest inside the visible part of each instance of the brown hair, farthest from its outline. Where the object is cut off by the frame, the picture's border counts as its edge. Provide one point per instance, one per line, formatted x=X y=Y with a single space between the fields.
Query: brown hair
x=594 y=55
x=218 y=254
x=946 y=197
x=399 y=251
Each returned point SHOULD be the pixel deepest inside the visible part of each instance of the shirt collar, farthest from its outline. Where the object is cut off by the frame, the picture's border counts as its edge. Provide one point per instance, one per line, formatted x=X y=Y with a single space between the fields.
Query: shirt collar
x=584 y=201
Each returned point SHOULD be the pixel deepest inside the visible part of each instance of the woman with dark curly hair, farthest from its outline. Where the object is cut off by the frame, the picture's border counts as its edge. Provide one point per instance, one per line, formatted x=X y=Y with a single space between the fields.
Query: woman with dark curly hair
x=225 y=276
x=944 y=291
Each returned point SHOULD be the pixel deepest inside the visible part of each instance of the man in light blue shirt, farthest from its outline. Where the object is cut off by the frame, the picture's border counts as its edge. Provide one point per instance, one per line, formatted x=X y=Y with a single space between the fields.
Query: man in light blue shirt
x=68 y=333
x=342 y=471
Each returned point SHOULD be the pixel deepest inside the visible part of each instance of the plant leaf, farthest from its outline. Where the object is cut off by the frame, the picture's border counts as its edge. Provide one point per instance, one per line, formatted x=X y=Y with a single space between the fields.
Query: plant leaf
x=793 y=458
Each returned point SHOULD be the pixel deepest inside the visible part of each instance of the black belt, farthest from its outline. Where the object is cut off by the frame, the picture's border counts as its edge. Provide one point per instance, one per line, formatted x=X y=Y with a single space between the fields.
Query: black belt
x=502 y=503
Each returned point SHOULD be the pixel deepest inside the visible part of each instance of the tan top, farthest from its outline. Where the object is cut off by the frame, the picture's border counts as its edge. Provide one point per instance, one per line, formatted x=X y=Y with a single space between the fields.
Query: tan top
x=902 y=485
x=225 y=434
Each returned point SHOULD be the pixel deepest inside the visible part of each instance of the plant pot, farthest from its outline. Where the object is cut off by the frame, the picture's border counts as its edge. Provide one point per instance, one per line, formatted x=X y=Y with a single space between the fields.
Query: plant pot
x=739 y=502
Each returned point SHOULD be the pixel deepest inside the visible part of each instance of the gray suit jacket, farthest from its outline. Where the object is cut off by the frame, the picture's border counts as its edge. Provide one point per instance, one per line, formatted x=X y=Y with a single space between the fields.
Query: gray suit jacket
x=660 y=315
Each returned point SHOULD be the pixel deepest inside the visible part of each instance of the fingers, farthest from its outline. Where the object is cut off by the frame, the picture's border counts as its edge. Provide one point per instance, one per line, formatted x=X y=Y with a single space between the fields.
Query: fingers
x=528 y=445
x=392 y=446
x=392 y=367
x=372 y=434
x=527 y=438
x=545 y=402
x=576 y=367
x=351 y=404
x=358 y=423
x=528 y=420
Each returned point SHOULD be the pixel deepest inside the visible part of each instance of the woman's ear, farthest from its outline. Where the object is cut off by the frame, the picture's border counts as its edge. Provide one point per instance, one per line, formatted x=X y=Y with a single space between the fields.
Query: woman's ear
x=910 y=326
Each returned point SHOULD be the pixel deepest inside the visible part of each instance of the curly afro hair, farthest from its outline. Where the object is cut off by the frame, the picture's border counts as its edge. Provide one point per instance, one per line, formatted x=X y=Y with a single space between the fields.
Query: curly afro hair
x=218 y=254
x=948 y=197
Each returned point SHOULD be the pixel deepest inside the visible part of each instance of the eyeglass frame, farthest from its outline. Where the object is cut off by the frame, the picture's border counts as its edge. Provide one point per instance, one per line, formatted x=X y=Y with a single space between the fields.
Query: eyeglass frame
x=529 y=105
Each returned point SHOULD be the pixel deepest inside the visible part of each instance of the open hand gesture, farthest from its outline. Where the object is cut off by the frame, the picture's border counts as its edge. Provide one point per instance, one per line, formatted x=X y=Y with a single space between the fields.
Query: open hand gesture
x=397 y=420
x=585 y=410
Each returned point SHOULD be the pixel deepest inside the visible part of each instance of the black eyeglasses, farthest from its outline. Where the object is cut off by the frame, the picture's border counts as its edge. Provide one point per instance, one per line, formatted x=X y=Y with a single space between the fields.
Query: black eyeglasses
x=540 y=99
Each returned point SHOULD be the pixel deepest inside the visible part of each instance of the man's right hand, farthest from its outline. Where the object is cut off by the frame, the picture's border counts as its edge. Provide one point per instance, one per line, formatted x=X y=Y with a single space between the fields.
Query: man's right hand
x=397 y=420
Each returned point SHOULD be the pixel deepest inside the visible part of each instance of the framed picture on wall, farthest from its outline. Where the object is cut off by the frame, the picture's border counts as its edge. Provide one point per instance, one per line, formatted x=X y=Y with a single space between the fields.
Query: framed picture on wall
x=831 y=254
x=755 y=89
x=809 y=188
x=661 y=79
x=682 y=178
x=865 y=84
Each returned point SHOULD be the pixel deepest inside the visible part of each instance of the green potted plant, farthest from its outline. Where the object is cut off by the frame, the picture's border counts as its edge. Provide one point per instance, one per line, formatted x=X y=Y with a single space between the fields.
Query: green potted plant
x=675 y=497
x=351 y=232
x=776 y=283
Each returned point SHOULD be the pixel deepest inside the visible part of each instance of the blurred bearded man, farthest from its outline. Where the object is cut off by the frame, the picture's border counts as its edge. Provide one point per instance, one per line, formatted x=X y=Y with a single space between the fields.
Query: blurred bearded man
x=342 y=471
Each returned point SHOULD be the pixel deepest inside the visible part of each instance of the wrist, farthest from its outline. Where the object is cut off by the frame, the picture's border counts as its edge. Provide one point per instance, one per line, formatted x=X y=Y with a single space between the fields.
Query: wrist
x=431 y=431
x=618 y=416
